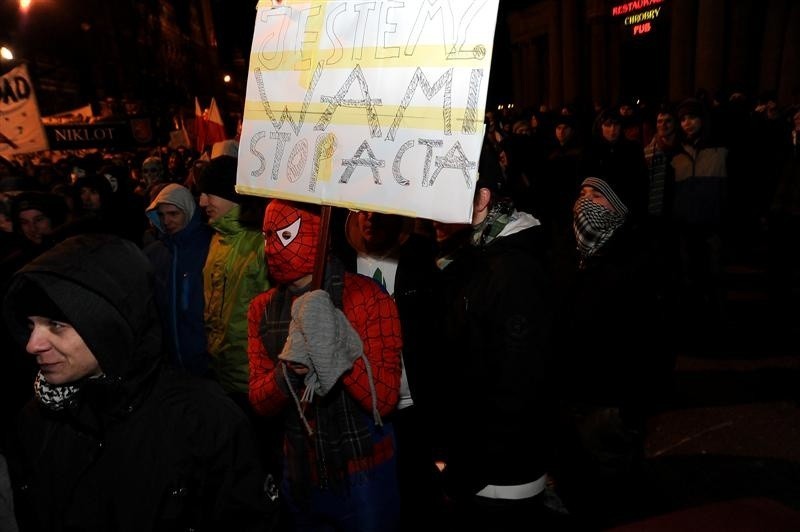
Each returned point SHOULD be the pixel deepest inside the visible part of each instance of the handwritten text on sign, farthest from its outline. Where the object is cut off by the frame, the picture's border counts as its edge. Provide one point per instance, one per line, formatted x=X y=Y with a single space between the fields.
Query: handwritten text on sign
x=21 y=128
x=372 y=105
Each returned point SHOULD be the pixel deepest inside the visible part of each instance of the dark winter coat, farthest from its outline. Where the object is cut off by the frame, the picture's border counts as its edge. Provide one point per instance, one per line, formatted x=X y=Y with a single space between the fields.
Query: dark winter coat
x=611 y=348
x=496 y=333
x=141 y=448
x=178 y=262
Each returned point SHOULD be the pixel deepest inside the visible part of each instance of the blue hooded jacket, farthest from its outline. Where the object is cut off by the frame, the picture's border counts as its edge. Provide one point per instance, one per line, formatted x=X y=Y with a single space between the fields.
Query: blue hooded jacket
x=178 y=261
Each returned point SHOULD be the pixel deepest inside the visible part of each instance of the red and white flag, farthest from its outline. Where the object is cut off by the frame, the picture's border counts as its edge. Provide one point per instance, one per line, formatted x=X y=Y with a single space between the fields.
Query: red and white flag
x=215 y=128
x=209 y=127
x=199 y=126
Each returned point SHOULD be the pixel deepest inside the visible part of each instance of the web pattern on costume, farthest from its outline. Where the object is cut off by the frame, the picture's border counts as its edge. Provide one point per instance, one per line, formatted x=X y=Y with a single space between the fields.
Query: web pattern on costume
x=290 y=247
x=265 y=391
x=373 y=314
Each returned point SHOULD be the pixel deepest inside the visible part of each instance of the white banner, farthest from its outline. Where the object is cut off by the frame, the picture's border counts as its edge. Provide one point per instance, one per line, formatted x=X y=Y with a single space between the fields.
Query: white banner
x=368 y=105
x=21 y=129
x=81 y=115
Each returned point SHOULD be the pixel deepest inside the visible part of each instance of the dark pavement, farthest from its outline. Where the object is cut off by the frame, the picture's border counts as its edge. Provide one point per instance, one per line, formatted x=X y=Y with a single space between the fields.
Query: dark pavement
x=724 y=454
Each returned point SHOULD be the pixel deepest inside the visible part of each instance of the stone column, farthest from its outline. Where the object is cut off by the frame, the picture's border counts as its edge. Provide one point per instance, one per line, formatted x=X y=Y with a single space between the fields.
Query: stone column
x=740 y=67
x=570 y=27
x=681 y=52
x=772 y=44
x=517 y=54
x=555 y=60
x=597 y=50
x=709 y=61
x=790 y=63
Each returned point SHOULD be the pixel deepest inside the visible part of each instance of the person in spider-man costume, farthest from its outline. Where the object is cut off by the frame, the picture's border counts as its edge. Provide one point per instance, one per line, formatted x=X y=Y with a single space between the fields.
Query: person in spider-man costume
x=338 y=452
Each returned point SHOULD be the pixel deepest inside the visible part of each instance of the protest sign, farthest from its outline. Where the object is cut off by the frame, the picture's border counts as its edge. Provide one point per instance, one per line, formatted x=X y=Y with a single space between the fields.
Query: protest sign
x=368 y=105
x=21 y=129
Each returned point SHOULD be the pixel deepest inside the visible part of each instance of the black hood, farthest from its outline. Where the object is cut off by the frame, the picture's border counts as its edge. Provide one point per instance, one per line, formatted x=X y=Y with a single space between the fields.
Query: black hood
x=102 y=285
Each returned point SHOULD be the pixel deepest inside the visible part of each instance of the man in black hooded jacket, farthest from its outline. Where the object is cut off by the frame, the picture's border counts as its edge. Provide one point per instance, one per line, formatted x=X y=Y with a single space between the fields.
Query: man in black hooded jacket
x=113 y=440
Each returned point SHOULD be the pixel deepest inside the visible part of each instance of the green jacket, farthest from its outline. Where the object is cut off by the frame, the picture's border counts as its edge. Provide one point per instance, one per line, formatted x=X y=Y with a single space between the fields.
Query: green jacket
x=234 y=273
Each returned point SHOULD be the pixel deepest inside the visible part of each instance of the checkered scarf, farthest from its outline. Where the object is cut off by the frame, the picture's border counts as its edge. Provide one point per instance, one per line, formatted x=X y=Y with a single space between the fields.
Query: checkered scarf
x=54 y=397
x=593 y=225
x=339 y=427
x=499 y=216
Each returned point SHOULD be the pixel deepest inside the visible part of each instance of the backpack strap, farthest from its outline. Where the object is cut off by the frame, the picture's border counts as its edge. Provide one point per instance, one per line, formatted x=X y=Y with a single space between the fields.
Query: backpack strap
x=275 y=328
x=334 y=281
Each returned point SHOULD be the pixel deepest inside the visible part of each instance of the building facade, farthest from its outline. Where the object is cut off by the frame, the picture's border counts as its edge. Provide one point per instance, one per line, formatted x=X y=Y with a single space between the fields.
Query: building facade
x=605 y=51
x=131 y=57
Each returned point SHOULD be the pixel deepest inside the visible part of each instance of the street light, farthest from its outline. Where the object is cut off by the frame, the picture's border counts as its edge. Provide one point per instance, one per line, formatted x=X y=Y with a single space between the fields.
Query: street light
x=226 y=78
x=6 y=53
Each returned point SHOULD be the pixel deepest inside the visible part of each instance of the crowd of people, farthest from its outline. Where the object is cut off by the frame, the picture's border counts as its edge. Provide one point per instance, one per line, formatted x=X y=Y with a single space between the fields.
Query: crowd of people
x=176 y=358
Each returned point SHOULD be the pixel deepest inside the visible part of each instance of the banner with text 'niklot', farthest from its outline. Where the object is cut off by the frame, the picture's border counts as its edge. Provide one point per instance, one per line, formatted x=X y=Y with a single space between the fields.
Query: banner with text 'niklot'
x=368 y=105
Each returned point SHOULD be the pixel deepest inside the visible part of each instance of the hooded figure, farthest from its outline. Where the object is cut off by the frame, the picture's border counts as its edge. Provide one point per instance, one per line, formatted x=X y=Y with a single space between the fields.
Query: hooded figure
x=328 y=362
x=178 y=257
x=112 y=440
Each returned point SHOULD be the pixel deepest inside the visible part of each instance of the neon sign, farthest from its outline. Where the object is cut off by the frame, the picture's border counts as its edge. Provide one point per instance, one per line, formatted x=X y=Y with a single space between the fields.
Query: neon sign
x=639 y=15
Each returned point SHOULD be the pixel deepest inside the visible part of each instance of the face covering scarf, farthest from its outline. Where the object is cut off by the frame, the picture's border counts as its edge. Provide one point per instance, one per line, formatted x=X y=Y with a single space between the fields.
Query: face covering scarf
x=593 y=226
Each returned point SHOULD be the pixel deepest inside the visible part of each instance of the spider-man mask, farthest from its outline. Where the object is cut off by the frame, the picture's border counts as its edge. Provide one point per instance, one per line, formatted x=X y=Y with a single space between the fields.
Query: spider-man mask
x=291 y=234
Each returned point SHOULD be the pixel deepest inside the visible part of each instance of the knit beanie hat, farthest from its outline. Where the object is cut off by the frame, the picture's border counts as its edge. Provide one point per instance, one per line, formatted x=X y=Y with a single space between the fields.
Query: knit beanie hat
x=690 y=106
x=567 y=120
x=609 y=115
x=606 y=190
x=218 y=178
x=322 y=339
x=97 y=183
x=51 y=205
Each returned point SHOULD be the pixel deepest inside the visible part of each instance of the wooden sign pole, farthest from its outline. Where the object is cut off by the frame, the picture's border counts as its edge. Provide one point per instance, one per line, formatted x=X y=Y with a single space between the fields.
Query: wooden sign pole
x=317 y=281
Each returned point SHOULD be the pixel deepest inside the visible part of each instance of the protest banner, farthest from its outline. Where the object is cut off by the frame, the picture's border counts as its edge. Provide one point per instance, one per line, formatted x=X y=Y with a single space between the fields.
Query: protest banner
x=368 y=105
x=129 y=133
x=81 y=115
x=21 y=129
